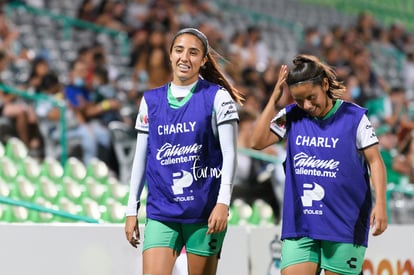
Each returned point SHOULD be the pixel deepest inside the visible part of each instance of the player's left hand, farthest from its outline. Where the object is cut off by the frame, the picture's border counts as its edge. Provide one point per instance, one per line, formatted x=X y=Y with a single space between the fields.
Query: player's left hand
x=379 y=220
x=217 y=221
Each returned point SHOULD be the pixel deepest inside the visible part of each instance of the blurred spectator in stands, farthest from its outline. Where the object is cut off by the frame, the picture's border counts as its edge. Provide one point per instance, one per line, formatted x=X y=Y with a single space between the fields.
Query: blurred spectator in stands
x=253 y=80
x=195 y=12
x=138 y=41
x=365 y=27
x=215 y=35
x=49 y=114
x=162 y=12
x=22 y=115
x=312 y=42
x=39 y=68
x=85 y=54
x=353 y=90
x=337 y=33
x=397 y=36
x=111 y=15
x=152 y=66
x=269 y=79
x=381 y=43
x=258 y=49
x=404 y=162
x=88 y=113
x=239 y=51
x=372 y=85
x=391 y=109
x=137 y=13
x=104 y=93
x=9 y=41
x=397 y=113
x=87 y=11
x=99 y=59
x=408 y=73
x=388 y=143
x=333 y=58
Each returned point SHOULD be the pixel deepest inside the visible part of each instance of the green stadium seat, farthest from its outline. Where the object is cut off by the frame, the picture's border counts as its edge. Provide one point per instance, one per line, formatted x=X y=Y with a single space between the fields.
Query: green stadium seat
x=27 y=190
x=8 y=170
x=244 y=211
x=16 y=149
x=6 y=189
x=46 y=216
x=49 y=190
x=117 y=190
x=115 y=211
x=96 y=190
x=233 y=215
x=73 y=190
x=75 y=169
x=52 y=169
x=31 y=168
x=69 y=206
x=94 y=210
x=6 y=214
x=262 y=213
x=2 y=150
x=98 y=170
x=22 y=214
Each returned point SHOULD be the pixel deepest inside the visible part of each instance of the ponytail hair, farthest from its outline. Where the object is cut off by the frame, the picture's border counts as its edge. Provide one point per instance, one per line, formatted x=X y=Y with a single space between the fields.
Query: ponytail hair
x=308 y=68
x=212 y=72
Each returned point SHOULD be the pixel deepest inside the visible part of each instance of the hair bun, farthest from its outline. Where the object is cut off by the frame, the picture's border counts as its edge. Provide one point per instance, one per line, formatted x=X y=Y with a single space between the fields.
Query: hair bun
x=303 y=58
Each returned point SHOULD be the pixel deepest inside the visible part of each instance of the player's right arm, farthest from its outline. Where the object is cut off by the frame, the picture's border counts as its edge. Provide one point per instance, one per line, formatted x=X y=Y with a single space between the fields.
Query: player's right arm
x=137 y=181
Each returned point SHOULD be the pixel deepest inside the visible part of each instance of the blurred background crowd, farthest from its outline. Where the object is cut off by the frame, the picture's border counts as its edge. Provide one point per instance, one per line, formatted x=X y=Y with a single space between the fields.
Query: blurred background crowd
x=78 y=68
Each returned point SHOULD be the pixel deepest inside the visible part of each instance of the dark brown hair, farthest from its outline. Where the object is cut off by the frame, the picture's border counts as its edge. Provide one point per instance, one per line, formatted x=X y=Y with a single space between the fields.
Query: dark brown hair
x=211 y=70
x=308 y=68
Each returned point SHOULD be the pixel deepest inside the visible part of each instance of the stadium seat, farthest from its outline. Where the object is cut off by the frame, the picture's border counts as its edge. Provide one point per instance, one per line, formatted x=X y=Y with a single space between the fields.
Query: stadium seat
x=31 y=168
x=75 y=169
x=244 y=211
x=124 y=146
x=6 y=214
x=115 y=211
x=5 y=189
x=262 y=213
x=69 y=206
x=8 y=170
x=45 y=217
x=22 y=214
x=49 y=190
x=27 y=190
x=16 y=149
x=117 y=190
x=94 y=210
x=2 y=150
x=73 y=190
x=96 y=190
x=52 y=169
x=98 y=170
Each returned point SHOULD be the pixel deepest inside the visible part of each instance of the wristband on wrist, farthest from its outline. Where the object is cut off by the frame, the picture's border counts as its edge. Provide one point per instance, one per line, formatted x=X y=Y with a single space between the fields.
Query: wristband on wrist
x=105 y=105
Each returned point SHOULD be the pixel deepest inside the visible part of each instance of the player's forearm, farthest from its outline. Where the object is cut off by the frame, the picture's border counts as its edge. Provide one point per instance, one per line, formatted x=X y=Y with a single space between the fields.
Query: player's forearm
x=137 y=175
x=228 y=142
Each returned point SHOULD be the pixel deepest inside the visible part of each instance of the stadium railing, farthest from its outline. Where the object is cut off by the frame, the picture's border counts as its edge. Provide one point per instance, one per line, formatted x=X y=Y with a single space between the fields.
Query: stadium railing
x=69 y=23
x=39 y=208
x=43 y=97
